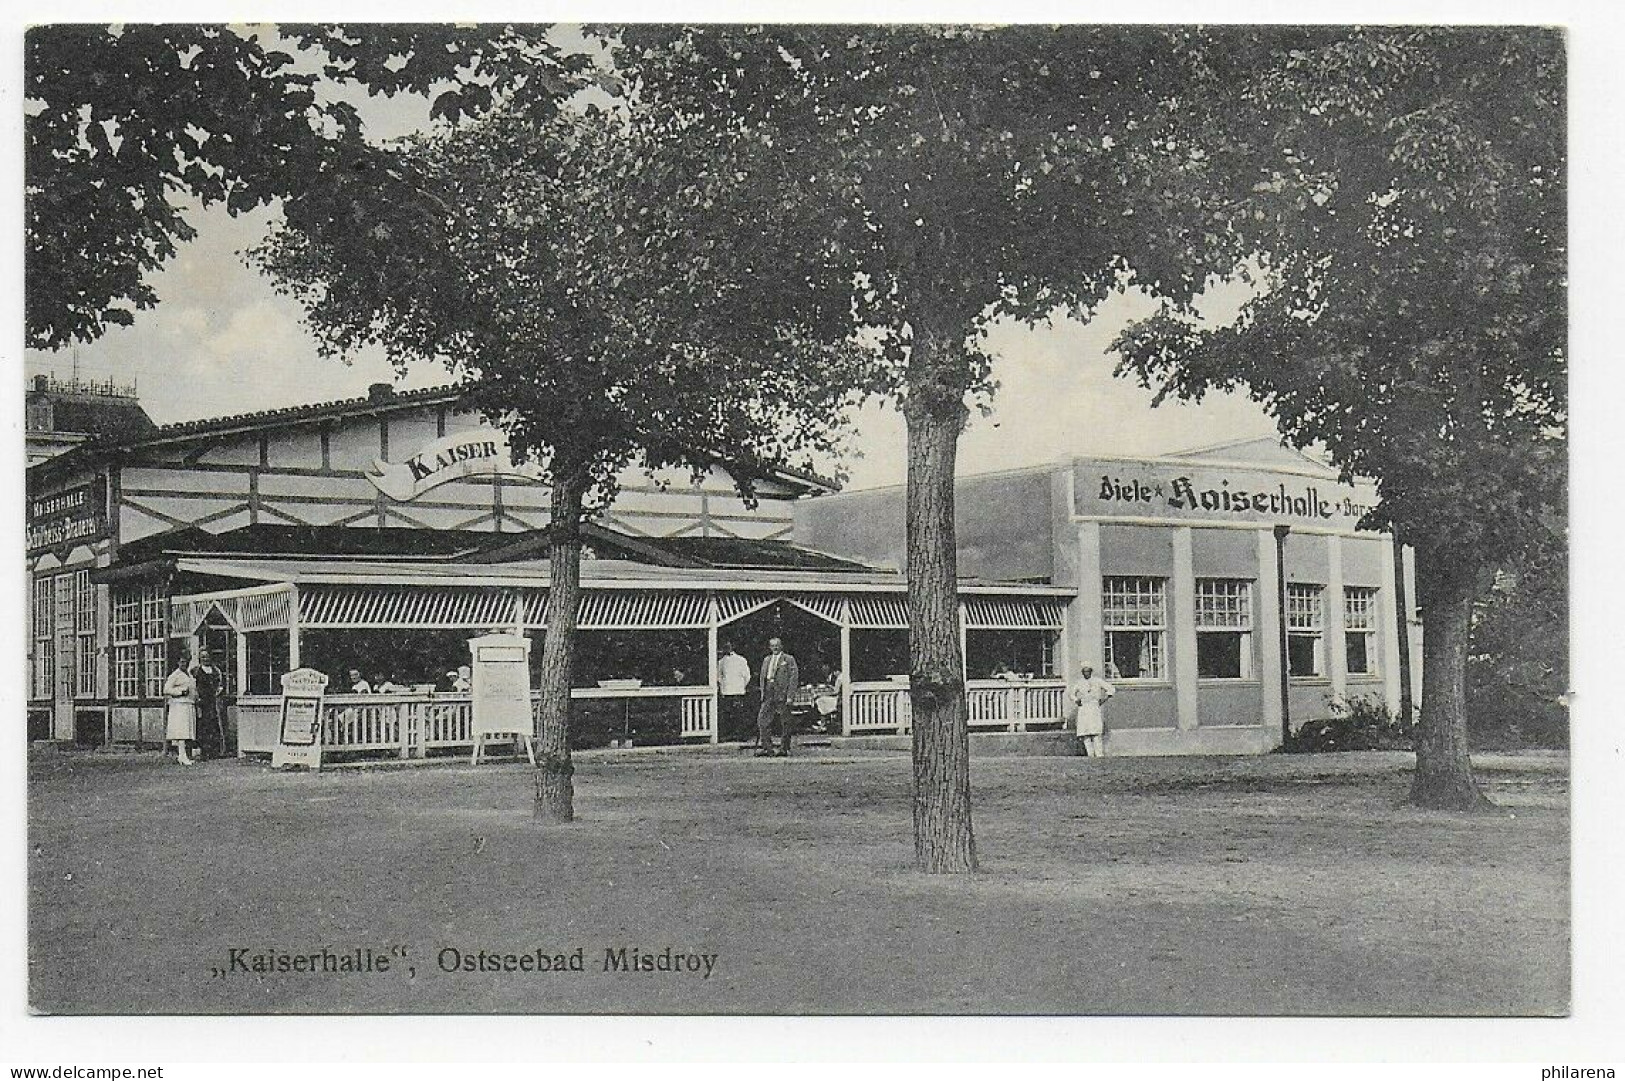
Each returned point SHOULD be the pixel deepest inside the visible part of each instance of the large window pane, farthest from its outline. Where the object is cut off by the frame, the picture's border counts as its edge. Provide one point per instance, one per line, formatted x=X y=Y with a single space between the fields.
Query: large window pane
x=1218 y=655
x=1134 y=614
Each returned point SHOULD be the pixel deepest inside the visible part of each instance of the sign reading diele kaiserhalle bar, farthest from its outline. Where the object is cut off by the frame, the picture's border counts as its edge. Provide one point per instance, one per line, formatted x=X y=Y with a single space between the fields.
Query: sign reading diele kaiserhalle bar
x=501 y=688
x=299 y=728
x=1115 y=488
x=483 y=452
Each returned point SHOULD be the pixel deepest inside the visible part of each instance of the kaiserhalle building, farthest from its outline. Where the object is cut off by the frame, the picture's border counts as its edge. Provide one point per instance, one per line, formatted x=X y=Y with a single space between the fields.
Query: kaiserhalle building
x=1226 y=592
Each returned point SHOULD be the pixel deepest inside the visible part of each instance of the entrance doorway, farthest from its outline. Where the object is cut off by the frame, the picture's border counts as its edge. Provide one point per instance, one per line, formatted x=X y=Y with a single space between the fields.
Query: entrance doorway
x=216 y=735
x=812 y=640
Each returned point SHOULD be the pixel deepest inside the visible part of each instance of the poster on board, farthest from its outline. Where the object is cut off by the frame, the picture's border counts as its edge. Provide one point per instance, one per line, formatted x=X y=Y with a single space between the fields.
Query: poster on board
x=299 y=726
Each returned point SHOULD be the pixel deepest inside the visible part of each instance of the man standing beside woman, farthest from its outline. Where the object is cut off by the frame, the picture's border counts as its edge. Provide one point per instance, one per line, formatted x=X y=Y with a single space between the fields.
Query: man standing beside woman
x=180 y=711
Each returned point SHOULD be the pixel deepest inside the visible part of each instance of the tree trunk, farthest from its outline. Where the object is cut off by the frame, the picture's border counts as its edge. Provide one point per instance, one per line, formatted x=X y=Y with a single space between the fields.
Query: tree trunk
x=555 y=789
x=935 y=412
x=1444 y=775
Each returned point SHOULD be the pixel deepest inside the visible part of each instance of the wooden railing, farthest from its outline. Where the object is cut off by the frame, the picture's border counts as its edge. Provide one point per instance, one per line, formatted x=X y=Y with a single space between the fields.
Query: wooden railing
x=879 y=707
x=992 y=704
x=412 y=724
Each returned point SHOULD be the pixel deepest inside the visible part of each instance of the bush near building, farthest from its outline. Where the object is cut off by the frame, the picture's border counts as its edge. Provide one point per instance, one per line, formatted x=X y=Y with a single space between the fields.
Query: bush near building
x=1518 y=661
x=1356 y=724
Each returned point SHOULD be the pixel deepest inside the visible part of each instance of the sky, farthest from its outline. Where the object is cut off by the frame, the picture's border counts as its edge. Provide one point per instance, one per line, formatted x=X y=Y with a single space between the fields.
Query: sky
x=221 y=341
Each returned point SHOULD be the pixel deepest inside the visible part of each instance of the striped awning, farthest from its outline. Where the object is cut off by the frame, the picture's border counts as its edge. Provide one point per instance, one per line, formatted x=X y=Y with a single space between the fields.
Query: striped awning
x=825 y=605
x=882 y=612
x=1011 y=613
x=405 y=606
x=258 y=609
x=642 y=610
x=732 y=605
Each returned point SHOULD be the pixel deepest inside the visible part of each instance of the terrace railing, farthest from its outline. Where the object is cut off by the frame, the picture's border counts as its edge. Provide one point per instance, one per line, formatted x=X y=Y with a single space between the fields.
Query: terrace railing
x=410 y=725
x=1010 y=706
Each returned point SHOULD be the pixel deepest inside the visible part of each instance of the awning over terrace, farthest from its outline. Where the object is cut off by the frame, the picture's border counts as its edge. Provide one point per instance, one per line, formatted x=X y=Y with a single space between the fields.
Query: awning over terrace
x=337 y=594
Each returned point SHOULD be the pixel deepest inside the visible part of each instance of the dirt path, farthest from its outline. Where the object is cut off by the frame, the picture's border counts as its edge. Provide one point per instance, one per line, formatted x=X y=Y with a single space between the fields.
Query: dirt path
x=1294 y=885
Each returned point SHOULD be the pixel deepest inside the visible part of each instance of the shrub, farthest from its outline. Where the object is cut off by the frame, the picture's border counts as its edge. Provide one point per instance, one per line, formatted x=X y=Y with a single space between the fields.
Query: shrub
x=1356 y=724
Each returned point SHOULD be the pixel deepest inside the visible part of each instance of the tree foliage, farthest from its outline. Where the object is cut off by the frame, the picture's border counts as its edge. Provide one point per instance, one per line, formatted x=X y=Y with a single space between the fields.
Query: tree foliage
x=128 y=125
x=958 y=174
x=553 y=265
x=1409 y=215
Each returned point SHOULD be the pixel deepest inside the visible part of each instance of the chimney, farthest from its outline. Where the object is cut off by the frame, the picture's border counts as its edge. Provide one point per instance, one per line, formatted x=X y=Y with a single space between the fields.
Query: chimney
x=380 y=392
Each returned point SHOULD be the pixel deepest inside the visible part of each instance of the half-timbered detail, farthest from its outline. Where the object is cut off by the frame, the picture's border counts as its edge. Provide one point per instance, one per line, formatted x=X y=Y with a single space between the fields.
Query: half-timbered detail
x=372 y=537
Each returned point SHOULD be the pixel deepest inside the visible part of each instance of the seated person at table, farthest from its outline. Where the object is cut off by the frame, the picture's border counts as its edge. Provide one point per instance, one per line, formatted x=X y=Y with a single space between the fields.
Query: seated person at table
x=357 y=684
x=827 y=701
x=462 y=680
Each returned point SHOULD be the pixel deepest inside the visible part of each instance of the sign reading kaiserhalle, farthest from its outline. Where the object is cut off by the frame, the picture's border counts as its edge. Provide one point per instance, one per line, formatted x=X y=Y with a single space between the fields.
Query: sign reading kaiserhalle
x=74 y=514
x=1115 y=488
x=483 y=452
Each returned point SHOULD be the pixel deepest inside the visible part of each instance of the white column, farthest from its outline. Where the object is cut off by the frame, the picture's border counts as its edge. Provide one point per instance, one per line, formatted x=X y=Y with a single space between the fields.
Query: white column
x=1337 y=657
x=1183 y=631
x=1267 y=636
x=711 y=668
x=846 y=668
x=293 y=634
x=1084 y=619
x=1389 y=622
x=242 y=663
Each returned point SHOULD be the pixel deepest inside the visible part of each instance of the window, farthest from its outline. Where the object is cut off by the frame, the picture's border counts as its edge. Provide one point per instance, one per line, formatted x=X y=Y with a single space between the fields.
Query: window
x=140 y=628
x=1224 y=629
x=84 y=622
x=1135 y=620
x=65 y=633
x=1304 y=623
x=267 y=659
x=1360 y=630
x=44 y=637
x=991 y=652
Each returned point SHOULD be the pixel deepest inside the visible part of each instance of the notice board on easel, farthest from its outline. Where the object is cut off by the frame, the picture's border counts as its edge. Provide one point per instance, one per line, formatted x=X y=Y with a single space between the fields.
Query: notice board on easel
x=299 y=726
x=501 y=689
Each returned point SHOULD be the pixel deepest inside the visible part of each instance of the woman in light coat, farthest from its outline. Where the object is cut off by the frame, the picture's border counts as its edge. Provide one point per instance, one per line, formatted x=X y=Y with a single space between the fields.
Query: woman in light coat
x=180 y=717
x=1088 y=695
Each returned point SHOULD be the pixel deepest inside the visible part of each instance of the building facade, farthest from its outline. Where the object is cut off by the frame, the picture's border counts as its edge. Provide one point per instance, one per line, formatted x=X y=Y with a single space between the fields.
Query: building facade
x=402 y=476
x=1226 y=592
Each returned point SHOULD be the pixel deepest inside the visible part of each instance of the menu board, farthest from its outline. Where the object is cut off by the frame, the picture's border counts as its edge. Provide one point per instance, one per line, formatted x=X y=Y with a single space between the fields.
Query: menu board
x=299 y=729
x=501 y=689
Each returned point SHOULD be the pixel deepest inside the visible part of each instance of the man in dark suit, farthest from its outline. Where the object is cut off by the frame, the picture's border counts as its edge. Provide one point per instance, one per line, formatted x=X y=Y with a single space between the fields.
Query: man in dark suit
x=779 y=682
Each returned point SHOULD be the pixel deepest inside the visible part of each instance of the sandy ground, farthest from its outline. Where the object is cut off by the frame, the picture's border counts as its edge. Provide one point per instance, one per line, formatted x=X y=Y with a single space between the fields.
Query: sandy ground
x=1274 y=885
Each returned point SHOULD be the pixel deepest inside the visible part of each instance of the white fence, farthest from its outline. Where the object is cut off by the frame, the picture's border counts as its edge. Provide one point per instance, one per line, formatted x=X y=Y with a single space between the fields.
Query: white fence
x=992 y=705
x=411 y=725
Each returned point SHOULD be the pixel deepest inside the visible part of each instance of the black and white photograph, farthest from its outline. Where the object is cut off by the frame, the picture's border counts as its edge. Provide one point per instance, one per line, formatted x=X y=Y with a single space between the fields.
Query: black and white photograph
x=790 y=519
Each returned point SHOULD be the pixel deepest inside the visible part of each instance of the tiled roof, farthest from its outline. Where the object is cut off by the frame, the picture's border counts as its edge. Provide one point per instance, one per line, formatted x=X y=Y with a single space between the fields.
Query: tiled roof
x=744 y=553
x=111 y=420
x=313 y=411
x=297 y=414
x=275 y=539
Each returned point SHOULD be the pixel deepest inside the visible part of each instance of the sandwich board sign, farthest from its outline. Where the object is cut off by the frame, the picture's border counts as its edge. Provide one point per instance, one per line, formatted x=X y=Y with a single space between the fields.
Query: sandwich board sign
x=501 y=691
x=299 y=727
